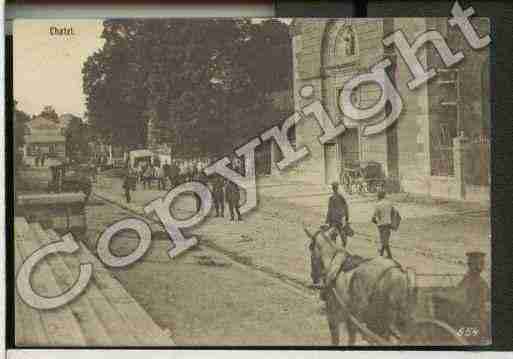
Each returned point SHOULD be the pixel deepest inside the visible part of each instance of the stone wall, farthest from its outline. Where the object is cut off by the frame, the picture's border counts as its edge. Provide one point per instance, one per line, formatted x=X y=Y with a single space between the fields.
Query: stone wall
x=413 y=123
x=406 y=149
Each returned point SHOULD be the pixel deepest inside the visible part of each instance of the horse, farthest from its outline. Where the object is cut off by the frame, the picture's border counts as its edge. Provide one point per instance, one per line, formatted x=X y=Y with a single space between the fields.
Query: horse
x=377 y=293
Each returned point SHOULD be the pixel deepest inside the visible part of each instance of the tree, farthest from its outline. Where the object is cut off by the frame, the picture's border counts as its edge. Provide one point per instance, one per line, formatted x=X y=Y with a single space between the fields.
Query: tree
x=20 y=130
x=203 y=82
x=49 y=113
x=78 y=135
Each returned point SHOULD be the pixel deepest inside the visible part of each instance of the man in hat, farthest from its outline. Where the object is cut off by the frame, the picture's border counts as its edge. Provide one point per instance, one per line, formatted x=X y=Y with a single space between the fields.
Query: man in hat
x=338 y=214
x=233 y=198
x=477 y=294
x=382 y=218
x=127 y=186
x=218 y=195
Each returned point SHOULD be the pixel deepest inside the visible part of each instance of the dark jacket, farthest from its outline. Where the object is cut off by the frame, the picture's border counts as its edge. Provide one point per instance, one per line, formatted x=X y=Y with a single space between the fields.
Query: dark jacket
x=232 y=192
x=127 y=183
x=218 y=185
x=337 y=209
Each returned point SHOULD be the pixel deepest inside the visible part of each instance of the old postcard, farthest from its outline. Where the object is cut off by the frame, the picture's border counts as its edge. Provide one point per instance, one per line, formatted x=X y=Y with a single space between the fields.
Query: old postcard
x=252 y=182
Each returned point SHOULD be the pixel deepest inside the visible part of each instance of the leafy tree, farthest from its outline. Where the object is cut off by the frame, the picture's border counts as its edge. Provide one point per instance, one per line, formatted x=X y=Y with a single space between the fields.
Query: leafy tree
x=205 y=83
x=49 y=113
x=20 y=126
x=20 y=130
x=77 y=135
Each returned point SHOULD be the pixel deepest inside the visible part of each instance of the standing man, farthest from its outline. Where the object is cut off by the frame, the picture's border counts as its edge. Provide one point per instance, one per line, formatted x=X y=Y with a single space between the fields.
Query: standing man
x=218 y=195
x=382 y=218
x=167 y=172
x=477 y=297
x=127 y=186
x=159 y=174
x=338 y=214
x=147 y=175
x=233 y=198
x=174 y=174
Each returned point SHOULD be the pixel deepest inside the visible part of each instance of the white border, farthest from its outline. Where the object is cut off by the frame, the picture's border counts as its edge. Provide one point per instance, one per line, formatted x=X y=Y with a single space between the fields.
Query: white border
x=248 y=354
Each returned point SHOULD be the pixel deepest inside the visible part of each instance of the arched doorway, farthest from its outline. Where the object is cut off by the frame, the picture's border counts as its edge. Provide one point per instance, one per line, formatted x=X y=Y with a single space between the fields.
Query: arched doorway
x=340 y=62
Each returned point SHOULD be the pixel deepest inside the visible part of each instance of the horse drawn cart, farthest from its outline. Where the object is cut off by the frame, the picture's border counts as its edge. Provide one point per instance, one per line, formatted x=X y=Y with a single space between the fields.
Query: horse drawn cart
x=439 y=318
x=66 y=178
x=362 y=176
x=391 y=305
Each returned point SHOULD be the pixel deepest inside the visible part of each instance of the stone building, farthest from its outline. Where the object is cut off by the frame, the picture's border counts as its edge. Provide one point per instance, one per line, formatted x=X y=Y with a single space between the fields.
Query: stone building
x=422 y=152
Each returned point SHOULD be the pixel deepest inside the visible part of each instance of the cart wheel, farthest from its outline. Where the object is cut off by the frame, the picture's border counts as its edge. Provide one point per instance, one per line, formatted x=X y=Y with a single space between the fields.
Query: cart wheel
x=433 y=332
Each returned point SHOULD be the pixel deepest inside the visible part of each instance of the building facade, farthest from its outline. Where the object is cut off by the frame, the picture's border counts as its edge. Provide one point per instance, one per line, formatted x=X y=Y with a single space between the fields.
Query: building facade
x=44 y=136
x=442 y=134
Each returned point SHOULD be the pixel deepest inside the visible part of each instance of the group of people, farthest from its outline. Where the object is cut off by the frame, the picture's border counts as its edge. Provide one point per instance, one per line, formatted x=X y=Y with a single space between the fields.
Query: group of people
x=385 y=217
x=169 y=176
x=225 y=191
x=145 y=174
x=165 y=175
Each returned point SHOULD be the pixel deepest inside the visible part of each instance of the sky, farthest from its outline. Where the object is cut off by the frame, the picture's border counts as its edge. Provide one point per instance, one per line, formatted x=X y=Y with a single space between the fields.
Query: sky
x=48 y=68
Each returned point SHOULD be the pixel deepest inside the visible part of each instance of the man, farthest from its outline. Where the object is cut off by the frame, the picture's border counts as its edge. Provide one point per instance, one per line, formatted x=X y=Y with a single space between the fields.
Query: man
x=159 y=176
x=218 y=195
x=127 y=186
x=147 y=176
x=233 y=198
x=338 y=214
x=382 y=218
x=174 y=174
x=166 y=172
x=477 y=297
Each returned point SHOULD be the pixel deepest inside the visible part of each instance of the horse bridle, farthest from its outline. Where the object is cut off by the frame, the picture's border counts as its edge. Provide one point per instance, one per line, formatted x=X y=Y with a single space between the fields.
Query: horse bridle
x=314 y=240
x=409 y=285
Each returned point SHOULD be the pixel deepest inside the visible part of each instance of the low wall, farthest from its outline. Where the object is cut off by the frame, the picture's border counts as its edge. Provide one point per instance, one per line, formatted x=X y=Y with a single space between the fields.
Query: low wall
x=64 y=212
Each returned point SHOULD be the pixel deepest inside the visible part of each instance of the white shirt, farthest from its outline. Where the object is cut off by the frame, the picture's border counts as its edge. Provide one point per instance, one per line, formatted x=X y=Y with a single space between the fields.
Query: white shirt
x=383 y=213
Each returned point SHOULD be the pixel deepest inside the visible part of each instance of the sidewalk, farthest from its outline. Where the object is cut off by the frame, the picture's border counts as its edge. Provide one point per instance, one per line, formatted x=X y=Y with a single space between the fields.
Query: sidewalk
x=432 y=239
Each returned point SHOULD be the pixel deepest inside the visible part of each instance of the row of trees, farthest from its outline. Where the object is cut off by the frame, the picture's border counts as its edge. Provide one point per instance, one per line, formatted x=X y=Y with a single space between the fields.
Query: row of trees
x=207 y=82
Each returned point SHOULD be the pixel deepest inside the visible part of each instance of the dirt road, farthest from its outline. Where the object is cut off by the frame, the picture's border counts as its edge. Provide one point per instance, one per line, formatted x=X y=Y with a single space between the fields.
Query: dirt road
x=205 y=298
x=247 y=282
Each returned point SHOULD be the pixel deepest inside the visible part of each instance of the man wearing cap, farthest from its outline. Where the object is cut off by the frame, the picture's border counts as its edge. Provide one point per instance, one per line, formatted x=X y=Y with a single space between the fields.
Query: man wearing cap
x=338 y=214
x=382 y=218
x=218 y=195
x=233 y=198
x=477 y=294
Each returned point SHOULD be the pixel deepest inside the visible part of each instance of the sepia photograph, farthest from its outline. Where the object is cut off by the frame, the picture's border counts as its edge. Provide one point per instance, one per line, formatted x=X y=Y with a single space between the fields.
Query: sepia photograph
x=235 y=182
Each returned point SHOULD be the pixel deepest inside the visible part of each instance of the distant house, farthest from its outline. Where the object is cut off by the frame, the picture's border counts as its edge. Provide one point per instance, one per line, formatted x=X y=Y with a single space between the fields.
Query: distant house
x=46 y=136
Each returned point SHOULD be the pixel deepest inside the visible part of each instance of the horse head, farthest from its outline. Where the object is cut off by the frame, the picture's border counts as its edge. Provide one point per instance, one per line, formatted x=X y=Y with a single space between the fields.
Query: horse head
x=322 y=250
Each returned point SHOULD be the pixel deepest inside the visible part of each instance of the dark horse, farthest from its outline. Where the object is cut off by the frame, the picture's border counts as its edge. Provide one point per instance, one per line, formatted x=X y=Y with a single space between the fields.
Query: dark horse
x=373 y=298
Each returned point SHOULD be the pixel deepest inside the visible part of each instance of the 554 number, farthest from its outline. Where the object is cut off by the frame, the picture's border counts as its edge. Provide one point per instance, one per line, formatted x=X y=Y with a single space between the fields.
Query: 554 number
x=468 y=332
